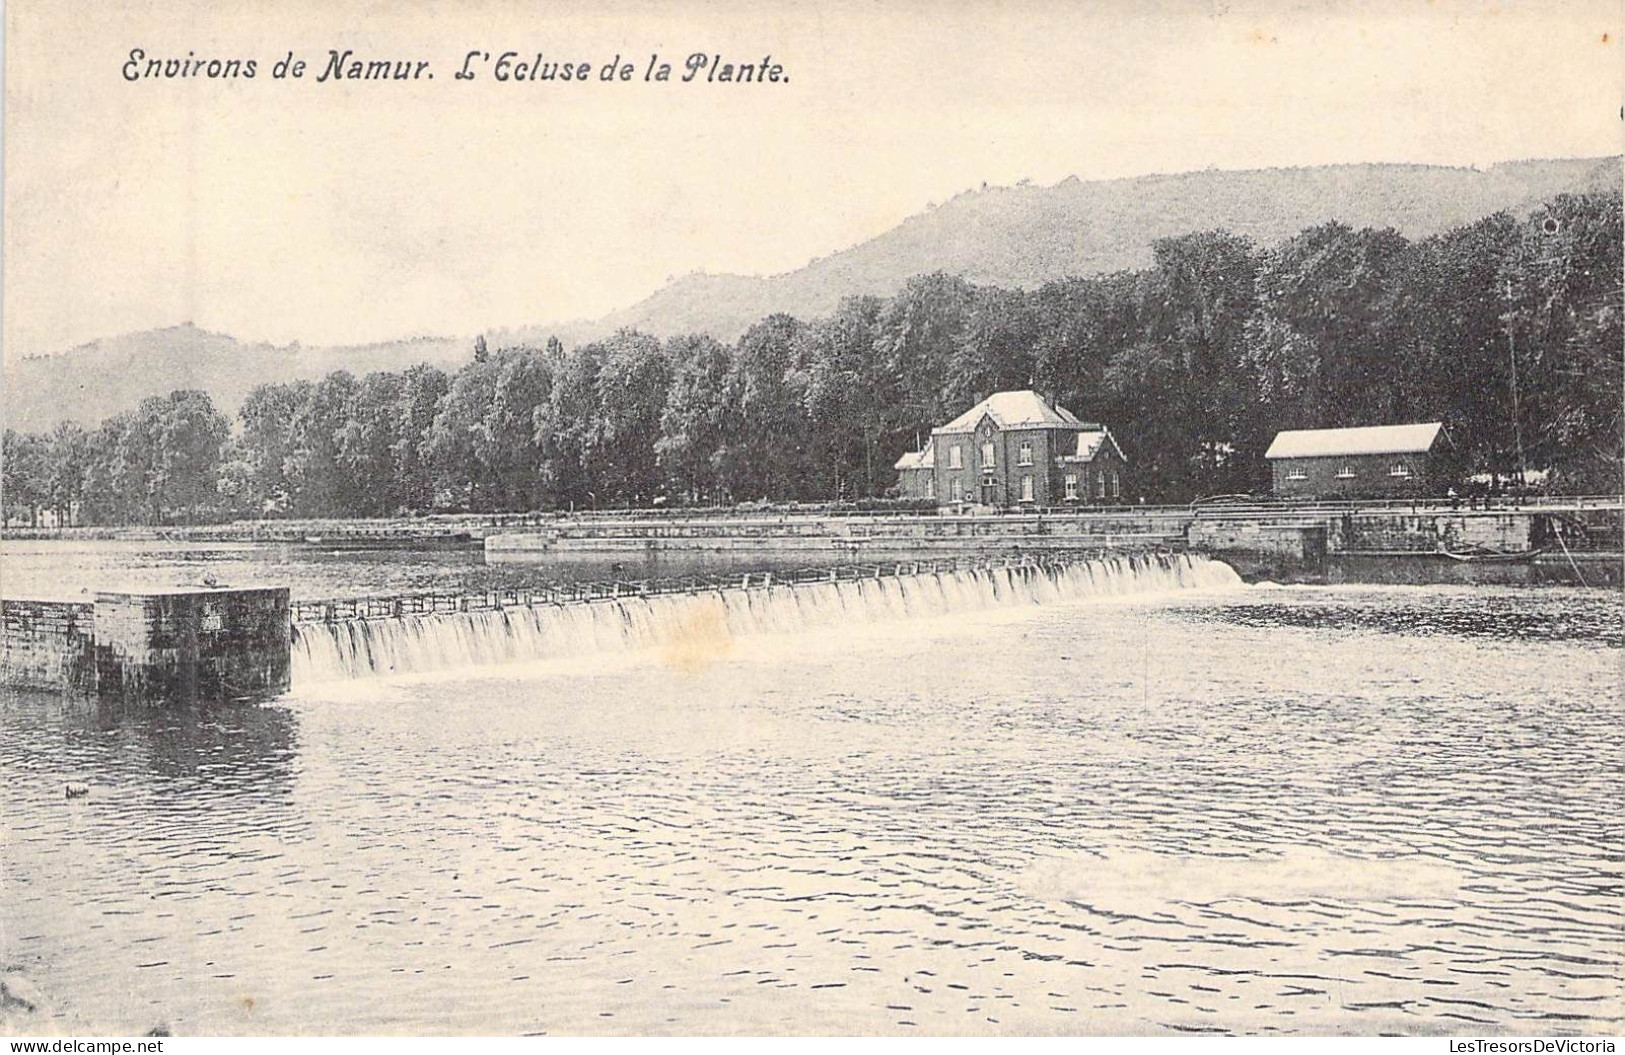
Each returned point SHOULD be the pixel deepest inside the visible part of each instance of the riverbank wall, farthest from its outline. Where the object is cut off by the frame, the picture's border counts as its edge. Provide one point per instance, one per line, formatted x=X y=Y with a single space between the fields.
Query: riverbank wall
x=171 y=644
x=1284 y=544
x=1534 y=546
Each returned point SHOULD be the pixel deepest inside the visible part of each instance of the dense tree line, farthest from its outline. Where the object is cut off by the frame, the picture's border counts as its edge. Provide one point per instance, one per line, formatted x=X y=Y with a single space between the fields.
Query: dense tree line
x=1195 y=363
x=159 y=462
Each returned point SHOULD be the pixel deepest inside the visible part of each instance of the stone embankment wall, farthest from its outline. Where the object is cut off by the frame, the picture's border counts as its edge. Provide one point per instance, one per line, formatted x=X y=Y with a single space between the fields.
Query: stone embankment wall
x=1262 y=550
x=1304 y=543
x=1455 y=532
x=1440 y=546
x=1262 y=542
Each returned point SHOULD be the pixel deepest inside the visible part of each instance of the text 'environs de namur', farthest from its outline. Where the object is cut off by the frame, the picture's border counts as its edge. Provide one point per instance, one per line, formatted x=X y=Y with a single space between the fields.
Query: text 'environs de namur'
x=477 y=64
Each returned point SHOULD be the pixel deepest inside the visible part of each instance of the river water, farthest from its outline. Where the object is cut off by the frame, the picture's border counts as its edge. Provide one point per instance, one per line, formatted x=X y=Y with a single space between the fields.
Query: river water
x=1225 y=808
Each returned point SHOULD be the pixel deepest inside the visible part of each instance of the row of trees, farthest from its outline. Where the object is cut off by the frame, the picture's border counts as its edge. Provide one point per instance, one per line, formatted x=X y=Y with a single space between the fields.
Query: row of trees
x=1195 y=362
x=158 y=462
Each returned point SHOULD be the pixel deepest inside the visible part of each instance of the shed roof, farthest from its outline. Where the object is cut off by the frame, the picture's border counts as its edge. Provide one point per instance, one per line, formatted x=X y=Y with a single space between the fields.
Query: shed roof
x=1368 y=439
x=1016 y=409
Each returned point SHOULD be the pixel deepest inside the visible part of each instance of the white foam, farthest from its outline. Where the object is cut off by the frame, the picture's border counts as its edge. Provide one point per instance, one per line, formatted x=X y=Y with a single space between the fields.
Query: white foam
x=698 y=628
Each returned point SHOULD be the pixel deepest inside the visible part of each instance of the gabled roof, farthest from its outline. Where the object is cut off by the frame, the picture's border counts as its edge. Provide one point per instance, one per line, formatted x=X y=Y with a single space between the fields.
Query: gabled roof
x=1010 y=410
x=1090 y=442
x=925 y=458
x=1369 y=439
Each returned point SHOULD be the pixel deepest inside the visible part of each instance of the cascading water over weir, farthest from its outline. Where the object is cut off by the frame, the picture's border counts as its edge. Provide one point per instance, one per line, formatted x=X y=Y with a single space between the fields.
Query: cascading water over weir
x=364 y=647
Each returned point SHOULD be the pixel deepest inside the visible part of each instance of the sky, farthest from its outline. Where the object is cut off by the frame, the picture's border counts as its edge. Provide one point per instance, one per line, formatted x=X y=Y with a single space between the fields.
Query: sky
x=342 y=212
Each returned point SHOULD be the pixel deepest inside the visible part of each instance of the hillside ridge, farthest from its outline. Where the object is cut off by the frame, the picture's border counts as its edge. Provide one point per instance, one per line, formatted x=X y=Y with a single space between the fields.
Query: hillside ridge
x=1020 y=235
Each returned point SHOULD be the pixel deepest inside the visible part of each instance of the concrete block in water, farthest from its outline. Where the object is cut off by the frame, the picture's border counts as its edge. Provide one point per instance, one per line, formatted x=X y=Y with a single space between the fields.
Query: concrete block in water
x=192 y=641
x=182 y=642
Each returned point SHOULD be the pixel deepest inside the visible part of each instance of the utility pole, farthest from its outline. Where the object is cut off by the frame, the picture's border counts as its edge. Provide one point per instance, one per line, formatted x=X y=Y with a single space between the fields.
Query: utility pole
x=1517 y=417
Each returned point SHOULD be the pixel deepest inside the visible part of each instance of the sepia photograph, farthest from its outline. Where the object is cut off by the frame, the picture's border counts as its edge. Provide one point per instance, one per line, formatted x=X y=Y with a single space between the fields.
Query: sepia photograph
x=845 y=518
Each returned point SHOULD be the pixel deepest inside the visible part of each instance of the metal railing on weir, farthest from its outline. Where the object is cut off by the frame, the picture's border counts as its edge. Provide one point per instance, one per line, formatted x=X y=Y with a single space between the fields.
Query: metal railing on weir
x=400 y=606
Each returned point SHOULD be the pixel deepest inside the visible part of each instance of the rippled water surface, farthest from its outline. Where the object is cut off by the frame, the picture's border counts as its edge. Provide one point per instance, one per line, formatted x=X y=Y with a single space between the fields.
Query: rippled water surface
x=1305 y=809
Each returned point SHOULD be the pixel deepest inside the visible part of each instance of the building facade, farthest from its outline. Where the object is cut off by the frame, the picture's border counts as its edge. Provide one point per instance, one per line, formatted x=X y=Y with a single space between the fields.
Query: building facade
x=1016 y=450
x=1373 y=461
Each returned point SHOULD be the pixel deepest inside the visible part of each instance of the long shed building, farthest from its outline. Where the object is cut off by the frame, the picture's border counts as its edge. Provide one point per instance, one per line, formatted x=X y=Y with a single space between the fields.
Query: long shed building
x=1368 y=461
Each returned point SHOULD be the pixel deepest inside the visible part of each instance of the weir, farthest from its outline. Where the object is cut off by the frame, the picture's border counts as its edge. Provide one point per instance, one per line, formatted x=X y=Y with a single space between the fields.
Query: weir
x=385 y=639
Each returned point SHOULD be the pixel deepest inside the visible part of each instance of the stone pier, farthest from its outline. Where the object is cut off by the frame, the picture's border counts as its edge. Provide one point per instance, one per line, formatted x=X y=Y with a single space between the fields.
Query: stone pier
x=175 y=643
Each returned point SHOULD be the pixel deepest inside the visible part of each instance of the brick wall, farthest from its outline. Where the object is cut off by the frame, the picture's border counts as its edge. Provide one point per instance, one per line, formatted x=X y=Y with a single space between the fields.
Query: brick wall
x=1371 y=475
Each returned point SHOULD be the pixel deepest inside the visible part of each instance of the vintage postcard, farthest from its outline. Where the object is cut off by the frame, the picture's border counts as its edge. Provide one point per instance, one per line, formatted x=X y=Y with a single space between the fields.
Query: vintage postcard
x=868 y=518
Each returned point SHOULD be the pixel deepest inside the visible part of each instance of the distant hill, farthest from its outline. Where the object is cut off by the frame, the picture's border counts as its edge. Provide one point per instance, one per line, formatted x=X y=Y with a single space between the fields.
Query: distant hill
x=1010 y=236
x=1026 y=235
x=100 y=379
